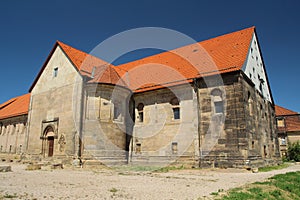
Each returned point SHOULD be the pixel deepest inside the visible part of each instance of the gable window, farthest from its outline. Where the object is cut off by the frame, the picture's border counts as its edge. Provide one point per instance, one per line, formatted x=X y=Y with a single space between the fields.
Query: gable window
x=140 y=108
x=55 y=72
x=176 y=108
x=280 y=122
x=217 y=101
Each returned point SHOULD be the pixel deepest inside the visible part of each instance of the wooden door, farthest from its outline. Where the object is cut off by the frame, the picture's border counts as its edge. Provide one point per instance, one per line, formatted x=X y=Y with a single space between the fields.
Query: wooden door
x=51 y=146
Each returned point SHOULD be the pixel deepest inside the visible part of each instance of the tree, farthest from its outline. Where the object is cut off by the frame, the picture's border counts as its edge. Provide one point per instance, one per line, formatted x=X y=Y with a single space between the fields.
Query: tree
x=294 y=151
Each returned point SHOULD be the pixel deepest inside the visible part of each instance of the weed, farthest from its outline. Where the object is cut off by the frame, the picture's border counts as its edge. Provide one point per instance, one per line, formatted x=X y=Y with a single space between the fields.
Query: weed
x=279 y=187
x=113 y=190
x=271 y=168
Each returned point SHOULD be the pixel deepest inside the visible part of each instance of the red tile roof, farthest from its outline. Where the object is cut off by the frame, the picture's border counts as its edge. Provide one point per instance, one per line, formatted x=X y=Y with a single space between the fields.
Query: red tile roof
x=219 y=55
x=15 y=107
x=292 y=123
x=83 y=62
x=291 y=119
x=107 y=74
x=281 y=111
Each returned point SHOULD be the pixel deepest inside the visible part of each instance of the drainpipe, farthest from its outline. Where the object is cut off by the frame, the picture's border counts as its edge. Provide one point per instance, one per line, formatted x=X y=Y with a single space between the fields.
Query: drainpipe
x=79 y=153
x=27 y=124
x=196 y=89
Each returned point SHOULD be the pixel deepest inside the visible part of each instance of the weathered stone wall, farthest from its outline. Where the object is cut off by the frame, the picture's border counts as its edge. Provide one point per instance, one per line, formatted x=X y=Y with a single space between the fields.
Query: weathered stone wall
x=12 y=135
x=159 y=138
x=243 y=134
x=55 y=102
x=104 y=124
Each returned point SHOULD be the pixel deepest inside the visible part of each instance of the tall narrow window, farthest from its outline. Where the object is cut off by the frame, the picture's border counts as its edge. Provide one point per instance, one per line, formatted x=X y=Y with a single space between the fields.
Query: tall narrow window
x=218 y=101
x=117 y=111
x=55 y=72
x=250 y=104
x=140 y=108
x=176 y=108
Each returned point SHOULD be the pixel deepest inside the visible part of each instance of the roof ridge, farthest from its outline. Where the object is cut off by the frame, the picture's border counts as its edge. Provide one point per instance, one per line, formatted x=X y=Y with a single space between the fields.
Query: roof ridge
x=188 y=45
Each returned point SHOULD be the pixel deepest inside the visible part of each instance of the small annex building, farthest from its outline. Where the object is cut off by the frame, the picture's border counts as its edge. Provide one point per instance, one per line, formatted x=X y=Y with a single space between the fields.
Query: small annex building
x=288 y=128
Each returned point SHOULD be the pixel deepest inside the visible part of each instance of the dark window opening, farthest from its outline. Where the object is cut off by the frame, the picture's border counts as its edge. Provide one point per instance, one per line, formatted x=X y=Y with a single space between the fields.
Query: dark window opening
x=55 y=72
x=265 y=150
x=219 y=107
x=138 y=148
x=140 y=108
x=176 y=109
x=176 y=112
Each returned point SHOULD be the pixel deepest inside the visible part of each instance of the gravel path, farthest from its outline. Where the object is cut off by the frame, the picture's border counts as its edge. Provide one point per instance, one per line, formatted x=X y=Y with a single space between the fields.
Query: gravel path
x=113 y=184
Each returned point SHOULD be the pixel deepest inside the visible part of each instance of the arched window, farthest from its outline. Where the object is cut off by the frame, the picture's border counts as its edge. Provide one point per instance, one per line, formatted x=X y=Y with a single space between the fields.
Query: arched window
x=175 y=107
x=140 y=109
x=218 y=101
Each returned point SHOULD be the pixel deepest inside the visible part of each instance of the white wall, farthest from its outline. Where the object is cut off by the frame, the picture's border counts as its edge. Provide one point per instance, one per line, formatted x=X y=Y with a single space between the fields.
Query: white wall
x=254 y=69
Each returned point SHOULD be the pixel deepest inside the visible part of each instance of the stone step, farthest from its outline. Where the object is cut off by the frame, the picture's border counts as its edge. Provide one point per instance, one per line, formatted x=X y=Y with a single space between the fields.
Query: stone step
x=5 y=168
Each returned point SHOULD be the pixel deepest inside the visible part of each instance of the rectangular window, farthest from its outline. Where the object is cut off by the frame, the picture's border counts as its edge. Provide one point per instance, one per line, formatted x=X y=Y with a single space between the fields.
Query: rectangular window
x=280 y=122
x=174 y=147
x=55 y=72
x=176 y=113
x=141 y=116
x=117 y=112
x=138 y=148
x=219 y=107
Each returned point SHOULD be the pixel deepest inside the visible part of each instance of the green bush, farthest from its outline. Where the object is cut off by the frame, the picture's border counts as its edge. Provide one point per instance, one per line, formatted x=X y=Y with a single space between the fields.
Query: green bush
x=294 y=151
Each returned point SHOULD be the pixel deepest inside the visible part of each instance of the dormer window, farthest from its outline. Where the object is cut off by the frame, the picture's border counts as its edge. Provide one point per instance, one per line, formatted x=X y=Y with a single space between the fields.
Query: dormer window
x=93 y=72
x=55 y=72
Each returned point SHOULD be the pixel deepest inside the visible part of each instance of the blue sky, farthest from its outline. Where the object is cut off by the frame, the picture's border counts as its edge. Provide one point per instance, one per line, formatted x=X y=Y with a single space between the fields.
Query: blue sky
x=29 y=30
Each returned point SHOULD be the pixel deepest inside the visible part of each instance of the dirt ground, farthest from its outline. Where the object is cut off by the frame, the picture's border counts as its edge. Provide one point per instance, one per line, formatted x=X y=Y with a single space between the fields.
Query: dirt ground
x=122 y=184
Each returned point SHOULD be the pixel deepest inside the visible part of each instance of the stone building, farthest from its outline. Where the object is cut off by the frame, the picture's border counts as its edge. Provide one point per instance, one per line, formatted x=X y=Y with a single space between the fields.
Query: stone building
x=288 y=128
x=207 y=104
x=13 y=124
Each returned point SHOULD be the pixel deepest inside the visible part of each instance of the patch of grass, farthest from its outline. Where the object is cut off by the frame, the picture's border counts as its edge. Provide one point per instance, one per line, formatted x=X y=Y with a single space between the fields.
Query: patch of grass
x=277 y=194
x=137 y=168
x=113 y=190
x=10 y=196
x=169 y=168
x=214 y=193
x=279 y=187
x=271 y=168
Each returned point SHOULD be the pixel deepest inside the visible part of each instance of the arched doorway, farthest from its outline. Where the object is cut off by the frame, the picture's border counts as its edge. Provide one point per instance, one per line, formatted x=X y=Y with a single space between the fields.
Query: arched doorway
x=48 y=142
